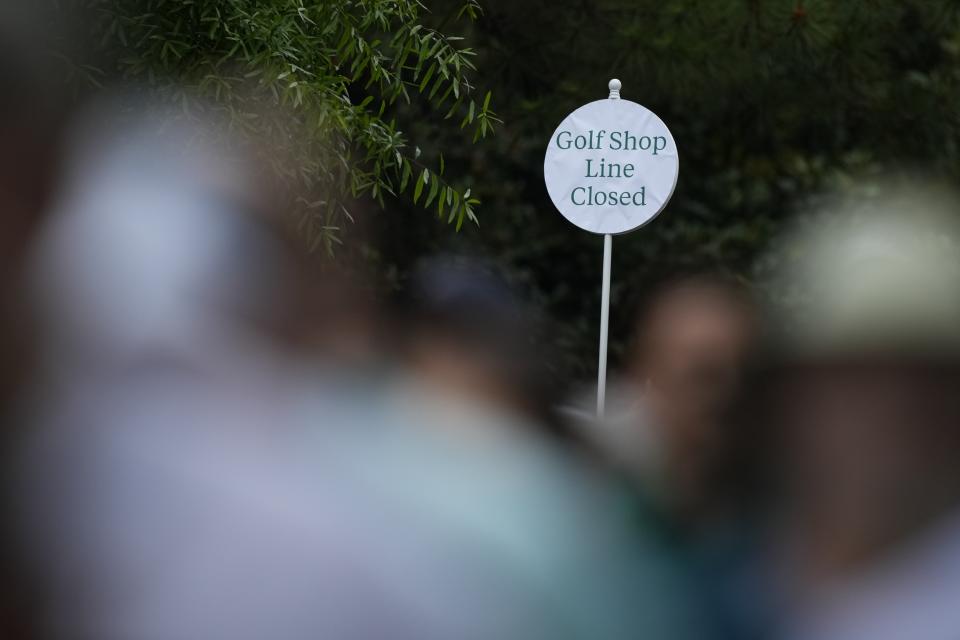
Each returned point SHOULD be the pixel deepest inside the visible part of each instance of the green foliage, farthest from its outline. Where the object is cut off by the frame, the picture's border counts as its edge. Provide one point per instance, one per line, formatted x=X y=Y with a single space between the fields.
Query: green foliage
x=319 y=79
x=770 y=102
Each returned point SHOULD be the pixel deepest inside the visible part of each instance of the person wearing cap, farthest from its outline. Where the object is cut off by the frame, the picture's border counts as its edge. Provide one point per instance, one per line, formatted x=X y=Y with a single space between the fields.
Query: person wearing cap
x=865 y=403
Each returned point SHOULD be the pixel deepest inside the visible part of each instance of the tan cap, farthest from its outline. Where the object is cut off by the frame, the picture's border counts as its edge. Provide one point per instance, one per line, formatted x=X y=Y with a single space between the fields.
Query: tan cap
x=874 y=277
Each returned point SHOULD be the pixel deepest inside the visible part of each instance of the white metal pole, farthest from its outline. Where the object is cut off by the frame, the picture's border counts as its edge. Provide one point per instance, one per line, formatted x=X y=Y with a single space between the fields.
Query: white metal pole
x=614 y=86
x=604 y=324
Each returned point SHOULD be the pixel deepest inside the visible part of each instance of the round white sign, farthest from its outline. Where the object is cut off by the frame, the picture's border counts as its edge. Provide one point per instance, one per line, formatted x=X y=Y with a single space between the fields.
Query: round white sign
x=611 y=166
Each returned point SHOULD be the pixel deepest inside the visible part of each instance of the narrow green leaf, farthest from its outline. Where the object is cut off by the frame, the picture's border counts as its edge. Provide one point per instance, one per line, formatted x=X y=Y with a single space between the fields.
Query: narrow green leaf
x=418 y=189
x=433 y=193
x=427 y=76
x=405 y=177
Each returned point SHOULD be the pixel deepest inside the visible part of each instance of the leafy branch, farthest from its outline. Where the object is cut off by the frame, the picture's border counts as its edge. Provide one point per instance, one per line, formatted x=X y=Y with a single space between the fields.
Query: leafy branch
x=320 y=79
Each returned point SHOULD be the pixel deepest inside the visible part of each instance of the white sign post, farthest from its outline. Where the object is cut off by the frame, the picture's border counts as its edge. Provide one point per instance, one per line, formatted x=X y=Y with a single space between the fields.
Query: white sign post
x=611 y=167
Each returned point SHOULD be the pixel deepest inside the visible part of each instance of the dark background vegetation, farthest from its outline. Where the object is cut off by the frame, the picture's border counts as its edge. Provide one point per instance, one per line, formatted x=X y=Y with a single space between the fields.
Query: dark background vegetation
x=770 y=102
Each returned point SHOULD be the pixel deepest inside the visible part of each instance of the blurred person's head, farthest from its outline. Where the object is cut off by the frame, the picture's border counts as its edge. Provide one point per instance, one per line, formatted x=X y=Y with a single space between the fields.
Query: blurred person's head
x=469 y=337
x=695 y=338
x=866 y=395
x=161 y=244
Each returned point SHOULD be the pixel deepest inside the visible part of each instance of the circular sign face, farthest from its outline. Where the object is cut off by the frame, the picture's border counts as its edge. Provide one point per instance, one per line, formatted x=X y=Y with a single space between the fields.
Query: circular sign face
x=611 y=166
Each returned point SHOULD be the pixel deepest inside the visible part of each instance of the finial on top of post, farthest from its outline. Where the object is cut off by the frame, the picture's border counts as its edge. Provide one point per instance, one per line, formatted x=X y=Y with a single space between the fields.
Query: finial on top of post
x=614 y=86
